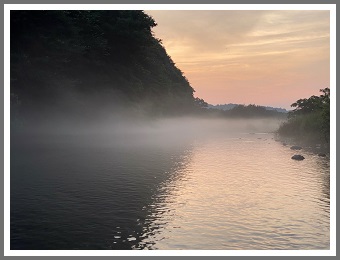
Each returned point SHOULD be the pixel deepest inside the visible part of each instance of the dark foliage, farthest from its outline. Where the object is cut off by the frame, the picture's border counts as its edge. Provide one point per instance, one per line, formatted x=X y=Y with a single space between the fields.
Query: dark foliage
x=310 y=119
x=71 y=60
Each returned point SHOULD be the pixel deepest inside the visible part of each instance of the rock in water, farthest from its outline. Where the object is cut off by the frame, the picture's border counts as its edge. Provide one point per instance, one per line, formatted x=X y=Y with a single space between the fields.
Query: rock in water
x=296 y=147
x=298 y=157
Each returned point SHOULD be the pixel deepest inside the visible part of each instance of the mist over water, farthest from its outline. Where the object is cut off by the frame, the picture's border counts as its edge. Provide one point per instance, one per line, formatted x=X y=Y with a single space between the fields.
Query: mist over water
x=169 y=183
x=167 y=126
x=101 y=159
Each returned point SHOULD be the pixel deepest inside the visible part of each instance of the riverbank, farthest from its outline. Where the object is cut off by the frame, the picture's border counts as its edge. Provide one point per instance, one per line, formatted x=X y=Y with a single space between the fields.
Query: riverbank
x=315 y=146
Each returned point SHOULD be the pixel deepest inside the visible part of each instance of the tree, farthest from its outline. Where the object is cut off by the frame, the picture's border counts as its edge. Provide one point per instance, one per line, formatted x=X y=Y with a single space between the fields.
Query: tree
x=312 y=104
x=199 y=102
x=310 y=118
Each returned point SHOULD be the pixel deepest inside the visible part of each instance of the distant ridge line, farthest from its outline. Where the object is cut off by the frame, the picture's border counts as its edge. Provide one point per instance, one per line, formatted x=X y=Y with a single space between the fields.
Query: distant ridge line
x=230 y=106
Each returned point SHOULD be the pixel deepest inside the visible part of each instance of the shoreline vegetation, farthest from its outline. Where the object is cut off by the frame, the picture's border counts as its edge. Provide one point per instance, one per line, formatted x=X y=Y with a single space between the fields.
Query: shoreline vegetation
x=309 y=123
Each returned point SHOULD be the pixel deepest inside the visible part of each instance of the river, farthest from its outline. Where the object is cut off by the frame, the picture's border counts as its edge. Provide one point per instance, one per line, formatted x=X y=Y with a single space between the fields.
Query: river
x=222 y=190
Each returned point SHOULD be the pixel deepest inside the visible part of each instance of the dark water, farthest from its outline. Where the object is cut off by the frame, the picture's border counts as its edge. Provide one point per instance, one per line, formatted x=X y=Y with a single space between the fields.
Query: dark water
x=239 y=191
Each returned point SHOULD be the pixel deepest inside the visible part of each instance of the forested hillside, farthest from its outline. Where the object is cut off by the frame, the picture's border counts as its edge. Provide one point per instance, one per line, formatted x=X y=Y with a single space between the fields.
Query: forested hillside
x=82 y=62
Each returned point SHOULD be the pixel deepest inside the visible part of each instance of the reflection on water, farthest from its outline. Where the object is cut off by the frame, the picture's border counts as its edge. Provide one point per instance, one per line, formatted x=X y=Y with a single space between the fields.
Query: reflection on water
x=161 y=211
x=223 y=192
x=242 y=193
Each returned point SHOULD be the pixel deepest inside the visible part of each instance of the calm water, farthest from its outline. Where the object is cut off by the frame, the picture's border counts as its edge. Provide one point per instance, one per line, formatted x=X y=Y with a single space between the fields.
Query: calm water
x=219 y=191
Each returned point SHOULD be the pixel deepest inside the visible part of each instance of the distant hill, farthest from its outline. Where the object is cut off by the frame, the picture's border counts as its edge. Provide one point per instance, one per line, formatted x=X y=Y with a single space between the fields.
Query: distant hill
x=223 y=107
x=230 y=106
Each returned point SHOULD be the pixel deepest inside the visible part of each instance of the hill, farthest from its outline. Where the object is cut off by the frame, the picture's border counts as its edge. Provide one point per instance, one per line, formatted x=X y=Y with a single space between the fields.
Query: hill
x=231 y=106
x=85 y=63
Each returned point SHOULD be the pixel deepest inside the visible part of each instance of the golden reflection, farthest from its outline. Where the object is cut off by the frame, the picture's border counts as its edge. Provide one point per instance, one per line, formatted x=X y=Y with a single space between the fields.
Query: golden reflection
x=242 y=192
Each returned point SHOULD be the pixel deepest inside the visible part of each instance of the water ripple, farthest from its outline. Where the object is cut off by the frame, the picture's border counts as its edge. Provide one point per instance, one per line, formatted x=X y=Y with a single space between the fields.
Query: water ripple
x=238 y=192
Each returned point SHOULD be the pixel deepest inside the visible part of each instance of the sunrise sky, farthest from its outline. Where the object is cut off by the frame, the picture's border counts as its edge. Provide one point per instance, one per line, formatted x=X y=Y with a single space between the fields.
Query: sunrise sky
x=249 y=57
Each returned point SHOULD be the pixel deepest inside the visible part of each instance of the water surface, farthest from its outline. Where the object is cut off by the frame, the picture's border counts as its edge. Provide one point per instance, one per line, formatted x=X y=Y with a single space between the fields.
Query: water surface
x=238 y=190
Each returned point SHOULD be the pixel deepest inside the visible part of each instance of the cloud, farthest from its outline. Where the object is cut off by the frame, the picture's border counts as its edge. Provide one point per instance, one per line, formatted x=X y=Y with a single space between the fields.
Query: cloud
x=220 y=48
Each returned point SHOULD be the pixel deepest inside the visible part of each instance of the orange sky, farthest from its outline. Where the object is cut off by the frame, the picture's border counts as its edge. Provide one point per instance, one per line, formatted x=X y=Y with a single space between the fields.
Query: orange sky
x=249 y=57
